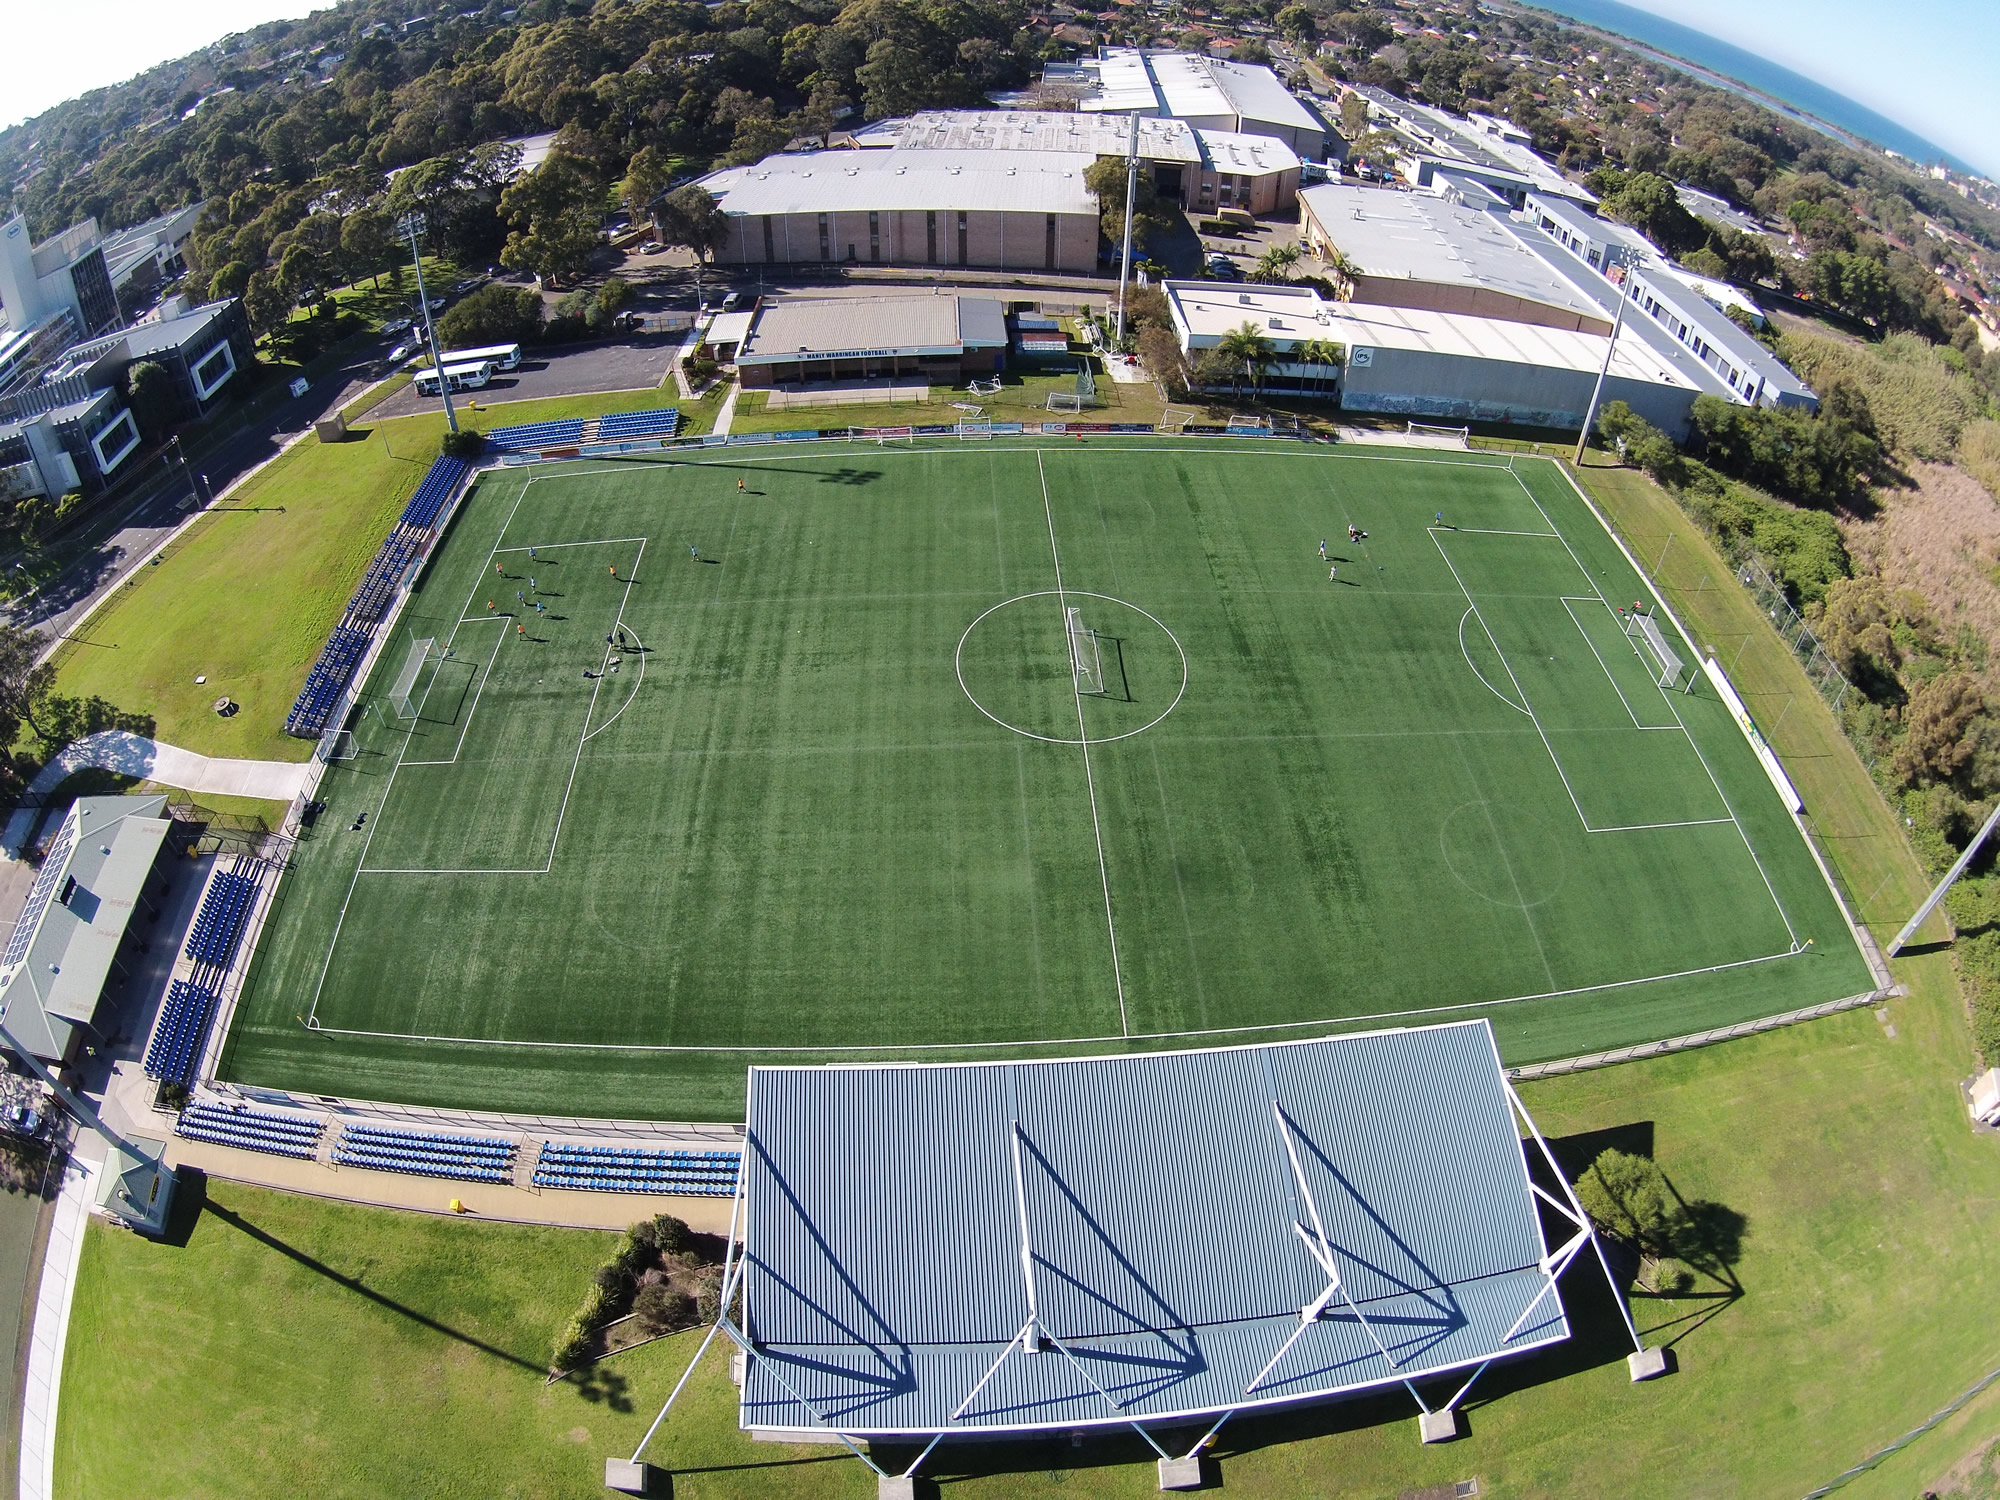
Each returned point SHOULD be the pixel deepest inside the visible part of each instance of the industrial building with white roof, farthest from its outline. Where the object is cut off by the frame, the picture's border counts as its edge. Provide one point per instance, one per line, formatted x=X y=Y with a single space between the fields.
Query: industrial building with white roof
x=1205 y=91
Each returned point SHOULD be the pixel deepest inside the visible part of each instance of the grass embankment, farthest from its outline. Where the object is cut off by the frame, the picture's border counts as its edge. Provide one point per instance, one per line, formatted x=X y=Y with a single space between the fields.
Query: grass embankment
x=247 y=594
x=1021 y=398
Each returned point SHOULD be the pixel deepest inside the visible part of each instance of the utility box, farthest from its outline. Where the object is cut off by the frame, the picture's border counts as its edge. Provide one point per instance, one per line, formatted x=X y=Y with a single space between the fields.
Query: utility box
x=331 y=429
x=1984 y=1096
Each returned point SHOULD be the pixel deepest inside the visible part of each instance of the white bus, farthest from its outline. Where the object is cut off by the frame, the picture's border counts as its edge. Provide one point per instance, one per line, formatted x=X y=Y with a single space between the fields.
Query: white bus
x=463 y=377
x=500 y=356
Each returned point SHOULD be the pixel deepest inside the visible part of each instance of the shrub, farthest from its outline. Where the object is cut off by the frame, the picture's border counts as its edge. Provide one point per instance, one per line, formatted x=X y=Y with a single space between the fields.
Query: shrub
x=495 y=314
x=1627 y=1198
x=464 y=443
x=661 y=1309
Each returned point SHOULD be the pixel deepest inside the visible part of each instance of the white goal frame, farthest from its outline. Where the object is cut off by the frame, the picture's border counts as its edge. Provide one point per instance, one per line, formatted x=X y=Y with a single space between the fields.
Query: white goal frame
x=1177 y=417
x=1460 y=435
x=883 y=439
x=1084 y=658
x=1066 y=401
x=1660 y=658
x=406 y=679
x=973 y=432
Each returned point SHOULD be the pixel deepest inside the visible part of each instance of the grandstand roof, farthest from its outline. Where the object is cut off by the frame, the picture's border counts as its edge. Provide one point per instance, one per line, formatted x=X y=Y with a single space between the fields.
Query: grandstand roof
x=55 y=964
x=845 y=181
x=1164 y=1218
x=923 y=323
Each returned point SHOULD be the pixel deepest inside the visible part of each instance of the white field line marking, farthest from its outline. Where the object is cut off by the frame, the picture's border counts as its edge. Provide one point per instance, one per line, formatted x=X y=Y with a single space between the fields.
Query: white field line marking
x=639 y=677
x=1466 y=652
x=1605 y=666
x=1071 y=1041
x=480 y=692
x=333 y=942
x=1507 y=859
x=604 y=541
x=1497 y=531
x=1083 y=742
x=1762 y=874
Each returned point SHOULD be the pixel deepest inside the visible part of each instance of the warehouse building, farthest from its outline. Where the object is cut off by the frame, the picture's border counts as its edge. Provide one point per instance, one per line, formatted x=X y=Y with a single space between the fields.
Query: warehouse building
x=1416 y=250
x=1202 y=169
x=1429 y=364
x=934 y=338
x=1207 y=92
x=1487 y=150
x=78 y=445
x=999 y=210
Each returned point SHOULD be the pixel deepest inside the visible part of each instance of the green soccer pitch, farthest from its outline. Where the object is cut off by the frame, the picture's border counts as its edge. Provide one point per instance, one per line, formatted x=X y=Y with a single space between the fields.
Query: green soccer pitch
x=844 y=793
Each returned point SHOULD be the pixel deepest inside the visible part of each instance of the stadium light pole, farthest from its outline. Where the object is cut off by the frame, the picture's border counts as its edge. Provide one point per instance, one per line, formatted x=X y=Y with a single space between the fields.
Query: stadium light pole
x=410 y=226
x=1131 y=192
x=1951 y=877
x=1597 y=392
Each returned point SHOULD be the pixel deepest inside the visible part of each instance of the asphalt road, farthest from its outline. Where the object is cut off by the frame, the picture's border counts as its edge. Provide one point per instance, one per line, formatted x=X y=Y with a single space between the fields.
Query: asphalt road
x=157 y=508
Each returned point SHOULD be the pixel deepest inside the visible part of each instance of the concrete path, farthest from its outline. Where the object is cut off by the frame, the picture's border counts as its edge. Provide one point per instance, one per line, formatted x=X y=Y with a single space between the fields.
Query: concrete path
x=135 y=755
x=45 y=1352
x=728 y=413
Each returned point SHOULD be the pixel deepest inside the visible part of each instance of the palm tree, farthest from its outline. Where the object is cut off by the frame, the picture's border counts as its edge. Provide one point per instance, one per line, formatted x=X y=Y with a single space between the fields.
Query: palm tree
x=1275 y=264
x=1322 y=354
x=1246 y=346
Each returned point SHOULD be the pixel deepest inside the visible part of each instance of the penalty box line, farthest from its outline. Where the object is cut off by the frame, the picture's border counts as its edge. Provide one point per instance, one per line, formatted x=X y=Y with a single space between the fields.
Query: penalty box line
x=1259 y=1028
x=1707 y=770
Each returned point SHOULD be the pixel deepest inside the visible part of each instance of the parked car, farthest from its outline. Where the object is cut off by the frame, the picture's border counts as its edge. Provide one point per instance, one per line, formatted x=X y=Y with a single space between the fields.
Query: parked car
x=651 y=247
x=1222 y=268
x=470 y=284
x=403 y=351
x=395 y=326
x=731 y=302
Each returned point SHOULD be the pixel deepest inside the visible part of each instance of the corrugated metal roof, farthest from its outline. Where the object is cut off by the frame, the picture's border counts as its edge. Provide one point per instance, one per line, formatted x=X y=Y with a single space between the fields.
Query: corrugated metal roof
x=883 y=1246
x=857 y=181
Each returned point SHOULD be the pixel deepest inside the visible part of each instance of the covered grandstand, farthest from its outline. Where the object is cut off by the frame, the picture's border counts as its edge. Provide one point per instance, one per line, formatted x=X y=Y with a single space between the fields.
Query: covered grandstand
x=1156 y=1241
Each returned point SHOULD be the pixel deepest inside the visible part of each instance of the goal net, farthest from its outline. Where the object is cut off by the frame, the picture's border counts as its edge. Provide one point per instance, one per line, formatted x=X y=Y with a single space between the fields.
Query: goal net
x=1065 y=401
x=1660 y=658
x=894 y=435
x=974 y=431
x=1083 y=654
x=1443 y=436
x=343 y=745
x=402 y=691
x=1177 y=417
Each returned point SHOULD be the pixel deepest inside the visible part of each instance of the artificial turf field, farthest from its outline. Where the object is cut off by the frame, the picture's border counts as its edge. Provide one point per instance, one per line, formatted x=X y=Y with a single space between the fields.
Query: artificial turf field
x=844 y=797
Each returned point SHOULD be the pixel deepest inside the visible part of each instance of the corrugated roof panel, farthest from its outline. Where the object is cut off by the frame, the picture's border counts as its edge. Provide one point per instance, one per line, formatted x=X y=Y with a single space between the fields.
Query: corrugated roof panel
x=883 y=1238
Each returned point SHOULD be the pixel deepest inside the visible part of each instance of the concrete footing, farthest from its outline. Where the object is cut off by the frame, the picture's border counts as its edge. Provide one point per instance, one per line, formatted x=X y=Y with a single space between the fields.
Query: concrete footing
x=631 y=1478
x=1438 y=1426
x=1180 y=1473
x=739 y=1364
x=896 y=1487
x=1647 y=1364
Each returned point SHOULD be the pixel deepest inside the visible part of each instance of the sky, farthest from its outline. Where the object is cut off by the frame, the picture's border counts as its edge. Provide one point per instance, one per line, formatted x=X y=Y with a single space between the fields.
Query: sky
x=1930 y=64
x=1927 y=64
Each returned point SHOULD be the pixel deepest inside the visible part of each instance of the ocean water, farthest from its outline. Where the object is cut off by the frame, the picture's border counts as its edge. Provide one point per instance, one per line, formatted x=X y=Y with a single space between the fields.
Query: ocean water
x=1761 y=75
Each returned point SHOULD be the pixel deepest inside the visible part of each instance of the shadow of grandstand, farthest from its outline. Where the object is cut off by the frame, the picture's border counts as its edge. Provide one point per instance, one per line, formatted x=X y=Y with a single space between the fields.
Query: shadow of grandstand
x=353 y=1284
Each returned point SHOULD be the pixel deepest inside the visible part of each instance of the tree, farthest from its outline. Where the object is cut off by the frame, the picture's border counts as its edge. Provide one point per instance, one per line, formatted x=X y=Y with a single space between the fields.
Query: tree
x=1275 y=264
x=1649 y=203
x=1106 y=178
x=1938 y=745
x=368 y=240
x=24 y=687
x=1298 y=24
x=150 y=393
x=266 y=302
x=1160 y=352
x=555 y=213
x=229 y=281
x=646 y=177
x=1321 y=355
x=1353 y=115
x=1627 y=1198
x=691 y=218
x=1247 y=349
x=495 y=314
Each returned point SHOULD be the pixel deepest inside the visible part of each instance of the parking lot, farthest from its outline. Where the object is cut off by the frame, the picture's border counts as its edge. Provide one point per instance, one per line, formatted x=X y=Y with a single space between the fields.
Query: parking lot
x=629 y=365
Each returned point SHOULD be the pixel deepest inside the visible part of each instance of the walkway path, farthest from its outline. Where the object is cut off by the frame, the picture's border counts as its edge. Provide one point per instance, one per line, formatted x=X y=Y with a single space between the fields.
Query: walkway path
x=134 y=755
x=45 y=1352
x=728 y=413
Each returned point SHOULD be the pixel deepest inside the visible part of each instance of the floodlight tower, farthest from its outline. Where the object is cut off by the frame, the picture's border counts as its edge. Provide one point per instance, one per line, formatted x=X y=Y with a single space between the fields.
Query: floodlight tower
x=410 y=226
x=1131 y=192
x=1597 y=392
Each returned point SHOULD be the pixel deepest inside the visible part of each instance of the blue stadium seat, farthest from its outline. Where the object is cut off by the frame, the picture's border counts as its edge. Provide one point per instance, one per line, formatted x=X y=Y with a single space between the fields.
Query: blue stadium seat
x=634 y=1169
x=179 y=1033
x=249 y=1129
x=630 y=424
x=467 y=1158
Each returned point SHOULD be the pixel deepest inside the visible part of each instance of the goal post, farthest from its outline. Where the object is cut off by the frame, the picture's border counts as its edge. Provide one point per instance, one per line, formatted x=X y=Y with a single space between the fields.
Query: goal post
x=1439 y=433
x=1084 y=657
x=401 y=692
x=973 y=432
x=343 y=746
x=1065 y=401
x=1660 y=658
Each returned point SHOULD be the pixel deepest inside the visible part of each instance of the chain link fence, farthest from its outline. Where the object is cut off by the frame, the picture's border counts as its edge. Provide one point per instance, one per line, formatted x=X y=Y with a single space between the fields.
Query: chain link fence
x=1820 y=668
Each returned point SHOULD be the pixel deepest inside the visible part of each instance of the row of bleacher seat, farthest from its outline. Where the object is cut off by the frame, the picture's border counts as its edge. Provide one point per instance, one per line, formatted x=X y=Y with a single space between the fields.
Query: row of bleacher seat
x=431 y=496
x=296 y=1136
x=628 y=1169
x=628 y=424
x=533 y=435
x=179 y=1032
x=349 y=642
x=326 y=682
x=466 y=1158
x=219 y=922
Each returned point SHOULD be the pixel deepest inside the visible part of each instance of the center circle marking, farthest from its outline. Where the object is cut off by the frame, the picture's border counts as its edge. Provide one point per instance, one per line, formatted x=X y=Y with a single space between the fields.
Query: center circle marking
x=958 y=667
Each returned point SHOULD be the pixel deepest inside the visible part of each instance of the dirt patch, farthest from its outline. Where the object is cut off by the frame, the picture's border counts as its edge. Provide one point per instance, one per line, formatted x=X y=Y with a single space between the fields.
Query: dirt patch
x=1942 y=539
x=1973 y=1477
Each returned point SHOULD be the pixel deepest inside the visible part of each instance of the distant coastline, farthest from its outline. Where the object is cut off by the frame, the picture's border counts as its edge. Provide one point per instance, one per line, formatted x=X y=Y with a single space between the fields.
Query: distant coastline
x=1715 y=61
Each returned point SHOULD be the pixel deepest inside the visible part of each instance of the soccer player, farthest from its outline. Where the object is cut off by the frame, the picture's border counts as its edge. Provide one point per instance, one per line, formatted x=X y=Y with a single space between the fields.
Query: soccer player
x=1332 y=572
x=1322 y=549
x=739 y=487
x=531 y=554
x=531 y=585
x=499 y=568
x=614 y=570
x=520 y=629
x=489 y=603
x=695 y=553
x=538 y=606
x=519 y=597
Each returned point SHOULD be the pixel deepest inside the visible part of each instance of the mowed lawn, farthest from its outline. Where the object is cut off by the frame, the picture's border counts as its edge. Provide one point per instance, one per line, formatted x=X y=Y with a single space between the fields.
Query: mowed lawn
x=838 y=796
x=247 y=595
